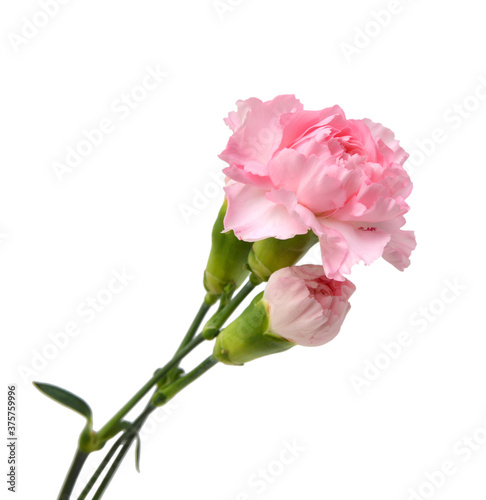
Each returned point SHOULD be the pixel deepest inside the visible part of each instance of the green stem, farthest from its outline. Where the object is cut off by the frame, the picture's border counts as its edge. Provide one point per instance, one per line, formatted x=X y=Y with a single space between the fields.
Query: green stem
x=105 y=431
x=129 y=437
x=195 y=325
x=187 y=345
x=163 y=395
x=72 y=476
x=101 y=467
x=213 y=326
x=168 y=393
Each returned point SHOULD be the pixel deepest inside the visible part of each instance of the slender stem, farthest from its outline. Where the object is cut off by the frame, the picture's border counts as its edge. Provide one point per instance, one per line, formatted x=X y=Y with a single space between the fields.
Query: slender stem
x=195 y=324
x=72 y=476
x=169 y=392
x=217 y=321
x=228 y=310
x=187 y=345
x=130 y=436
x=101 y=467
x=159 y=375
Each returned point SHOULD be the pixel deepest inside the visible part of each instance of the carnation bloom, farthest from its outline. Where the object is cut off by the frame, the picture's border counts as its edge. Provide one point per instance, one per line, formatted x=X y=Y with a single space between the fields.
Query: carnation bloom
x=293 y=171
x=306 y=307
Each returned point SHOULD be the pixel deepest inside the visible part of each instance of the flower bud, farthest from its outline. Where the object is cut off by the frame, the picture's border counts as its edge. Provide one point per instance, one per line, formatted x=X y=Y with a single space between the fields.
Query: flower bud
x=300 y=305
x=227 y=259
x=306 y=307
x=271 y=254
x=248 y=337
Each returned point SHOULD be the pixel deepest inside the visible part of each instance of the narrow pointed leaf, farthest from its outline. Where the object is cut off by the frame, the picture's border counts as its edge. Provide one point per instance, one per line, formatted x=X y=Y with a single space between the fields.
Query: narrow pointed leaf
x=137 y=453
x=66 y=398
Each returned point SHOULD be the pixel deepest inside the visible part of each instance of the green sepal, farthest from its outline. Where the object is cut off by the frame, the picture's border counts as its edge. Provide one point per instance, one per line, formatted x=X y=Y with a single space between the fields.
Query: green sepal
x=271 y=254
x=248 y=337
x=227 y=260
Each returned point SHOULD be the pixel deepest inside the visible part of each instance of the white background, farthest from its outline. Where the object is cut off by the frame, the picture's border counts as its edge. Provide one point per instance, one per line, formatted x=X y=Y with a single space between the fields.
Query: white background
x=123 y=208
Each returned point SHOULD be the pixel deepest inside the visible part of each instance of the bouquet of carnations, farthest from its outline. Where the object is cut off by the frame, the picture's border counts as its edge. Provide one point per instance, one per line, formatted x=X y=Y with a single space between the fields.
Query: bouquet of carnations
x=295 y=179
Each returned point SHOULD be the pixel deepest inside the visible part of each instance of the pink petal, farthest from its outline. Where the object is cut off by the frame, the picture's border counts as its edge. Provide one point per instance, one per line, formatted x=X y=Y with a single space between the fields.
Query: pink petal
x=317 y=182
x=356 y=243
x=248 y=177
x=399 y=249
x=258 y=131
x=305 y=122
x=388 y=146
x=253 y=217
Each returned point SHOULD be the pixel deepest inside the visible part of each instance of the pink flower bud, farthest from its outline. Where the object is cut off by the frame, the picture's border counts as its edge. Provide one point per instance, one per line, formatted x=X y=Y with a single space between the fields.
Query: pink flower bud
x=306 y=307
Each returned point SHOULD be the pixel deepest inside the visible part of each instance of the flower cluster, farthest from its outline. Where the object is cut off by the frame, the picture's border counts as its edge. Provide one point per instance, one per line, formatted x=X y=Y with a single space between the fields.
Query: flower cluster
x=295 y=177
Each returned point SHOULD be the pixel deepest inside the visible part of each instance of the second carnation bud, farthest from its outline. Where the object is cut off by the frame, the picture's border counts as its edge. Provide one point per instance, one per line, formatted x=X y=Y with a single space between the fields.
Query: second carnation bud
x=300 y=306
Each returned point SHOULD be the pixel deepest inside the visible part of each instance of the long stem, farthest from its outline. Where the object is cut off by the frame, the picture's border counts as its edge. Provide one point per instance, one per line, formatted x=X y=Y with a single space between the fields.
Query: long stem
x=169 y=392
x=184 y=348
x=101 y=467
x=213 y=326
x=187 y=345
x=159 y=375
x=71 y=477
x=130 y=436
x=195 y=324
x=228 y=310
x=119 y=442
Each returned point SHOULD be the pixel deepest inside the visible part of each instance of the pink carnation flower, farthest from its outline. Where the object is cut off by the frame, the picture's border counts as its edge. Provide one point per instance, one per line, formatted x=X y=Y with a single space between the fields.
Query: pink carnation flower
x=306 y=307
x=293 y=171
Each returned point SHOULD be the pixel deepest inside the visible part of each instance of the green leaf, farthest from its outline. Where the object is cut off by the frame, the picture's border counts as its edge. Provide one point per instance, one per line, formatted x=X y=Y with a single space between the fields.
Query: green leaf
x=66 y=398
x=137 y=453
